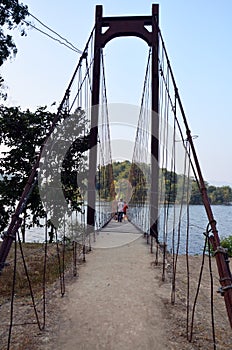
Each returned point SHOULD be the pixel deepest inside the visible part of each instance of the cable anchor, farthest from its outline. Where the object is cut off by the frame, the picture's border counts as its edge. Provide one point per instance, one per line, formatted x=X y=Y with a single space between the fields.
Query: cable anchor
x=221 y=249
x=222 y=290
x=5 y=234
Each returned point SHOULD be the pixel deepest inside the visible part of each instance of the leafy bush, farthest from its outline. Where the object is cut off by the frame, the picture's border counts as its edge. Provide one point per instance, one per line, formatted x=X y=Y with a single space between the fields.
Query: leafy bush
x=227 y=243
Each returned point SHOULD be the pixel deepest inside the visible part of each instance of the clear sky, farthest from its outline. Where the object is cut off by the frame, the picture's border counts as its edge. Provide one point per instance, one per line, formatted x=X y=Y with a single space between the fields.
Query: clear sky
x=198 y=39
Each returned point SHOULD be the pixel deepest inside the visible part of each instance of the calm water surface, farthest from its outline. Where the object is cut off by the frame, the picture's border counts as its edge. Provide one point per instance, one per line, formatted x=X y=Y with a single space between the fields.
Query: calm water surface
x=198 y=224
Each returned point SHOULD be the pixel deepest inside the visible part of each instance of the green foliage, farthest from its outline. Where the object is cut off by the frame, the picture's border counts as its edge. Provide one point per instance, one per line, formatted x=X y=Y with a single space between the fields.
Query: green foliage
x=12 y=15
x=217 y=195
x=121 y=173
x=139 y=183
x=174 y=187
x=227 y=243
x=105 y=182
x=121 y=170
x=220 y=195
x=24 y=133
x=168 y=184
x=195 y=194
x=75 y=163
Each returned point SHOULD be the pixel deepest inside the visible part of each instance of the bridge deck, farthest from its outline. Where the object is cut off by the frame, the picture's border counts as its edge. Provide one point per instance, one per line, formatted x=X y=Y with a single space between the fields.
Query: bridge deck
x=116 y=234
x=116 y=303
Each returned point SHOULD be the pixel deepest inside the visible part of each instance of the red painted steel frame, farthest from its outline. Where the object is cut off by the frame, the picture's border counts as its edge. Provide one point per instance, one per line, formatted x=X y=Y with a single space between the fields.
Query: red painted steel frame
x=123 y=27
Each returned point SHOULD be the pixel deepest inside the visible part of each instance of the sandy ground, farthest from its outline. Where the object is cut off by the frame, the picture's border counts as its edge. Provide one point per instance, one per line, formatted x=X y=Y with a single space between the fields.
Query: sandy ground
x=112 y=304
x=119 y=301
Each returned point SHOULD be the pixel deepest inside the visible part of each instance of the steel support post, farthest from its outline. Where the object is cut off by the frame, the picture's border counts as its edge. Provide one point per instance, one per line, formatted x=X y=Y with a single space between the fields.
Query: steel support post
x=91 y=195
x=155 y=126
x=122 y=27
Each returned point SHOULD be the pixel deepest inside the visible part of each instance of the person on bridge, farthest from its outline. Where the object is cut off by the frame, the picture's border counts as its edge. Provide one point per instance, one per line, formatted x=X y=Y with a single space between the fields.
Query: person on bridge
x=120 y=210
x=125 y=207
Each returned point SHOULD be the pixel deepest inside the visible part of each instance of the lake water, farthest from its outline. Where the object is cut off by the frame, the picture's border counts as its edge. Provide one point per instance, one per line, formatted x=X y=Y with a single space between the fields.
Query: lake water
x=197 y=226
x=198 y=223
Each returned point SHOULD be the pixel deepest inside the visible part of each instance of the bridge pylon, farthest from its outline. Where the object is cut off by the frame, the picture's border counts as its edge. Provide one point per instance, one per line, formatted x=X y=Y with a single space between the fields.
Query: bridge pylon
x=125 y=26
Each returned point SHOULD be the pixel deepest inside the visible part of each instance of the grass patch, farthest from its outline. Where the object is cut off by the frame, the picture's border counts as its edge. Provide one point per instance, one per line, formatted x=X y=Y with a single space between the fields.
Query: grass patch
x=34 y=257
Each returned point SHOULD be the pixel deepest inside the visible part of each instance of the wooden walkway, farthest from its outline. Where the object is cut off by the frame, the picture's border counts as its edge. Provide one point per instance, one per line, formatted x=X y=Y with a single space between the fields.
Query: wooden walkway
x=116 y=234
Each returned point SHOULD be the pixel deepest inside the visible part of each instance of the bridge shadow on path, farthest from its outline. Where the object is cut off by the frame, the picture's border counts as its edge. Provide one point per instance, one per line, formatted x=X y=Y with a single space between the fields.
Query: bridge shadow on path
x=117 y=303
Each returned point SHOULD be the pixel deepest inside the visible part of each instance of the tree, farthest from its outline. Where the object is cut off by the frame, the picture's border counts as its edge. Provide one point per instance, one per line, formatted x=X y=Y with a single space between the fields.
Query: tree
x=12 y=15
x=196 y=197
x=121 y=170
x=227 y=194
x=139 y=183
x=220 y=195
x=168 y=185
x=63 y=171
x=105 y=182
x=24 y=133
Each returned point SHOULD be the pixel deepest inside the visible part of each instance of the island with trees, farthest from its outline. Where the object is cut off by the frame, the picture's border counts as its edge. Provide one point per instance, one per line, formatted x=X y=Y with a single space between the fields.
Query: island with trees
x=217 y=195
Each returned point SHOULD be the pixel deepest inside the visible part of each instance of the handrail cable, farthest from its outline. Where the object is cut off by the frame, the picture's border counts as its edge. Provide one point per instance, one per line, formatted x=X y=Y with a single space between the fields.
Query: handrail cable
x=54 y=32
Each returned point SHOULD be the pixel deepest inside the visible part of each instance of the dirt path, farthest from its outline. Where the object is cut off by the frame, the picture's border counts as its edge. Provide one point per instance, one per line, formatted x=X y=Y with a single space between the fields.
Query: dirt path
x=119 y=302
x=115 y=303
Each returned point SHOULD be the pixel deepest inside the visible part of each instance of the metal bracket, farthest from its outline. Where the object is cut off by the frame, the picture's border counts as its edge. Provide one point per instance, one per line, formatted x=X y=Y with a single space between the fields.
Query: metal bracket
x=6 y=234
x=3 y=234
x=220 y=249
x=222 y=290
x=208 y=234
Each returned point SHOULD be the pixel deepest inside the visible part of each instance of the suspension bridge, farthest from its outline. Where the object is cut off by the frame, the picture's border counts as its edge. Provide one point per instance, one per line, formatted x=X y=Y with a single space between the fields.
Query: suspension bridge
x=84 y=196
